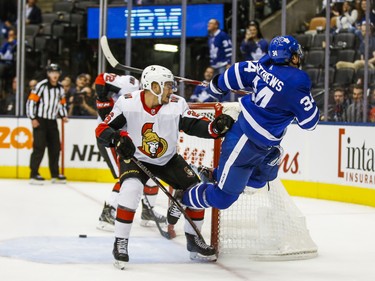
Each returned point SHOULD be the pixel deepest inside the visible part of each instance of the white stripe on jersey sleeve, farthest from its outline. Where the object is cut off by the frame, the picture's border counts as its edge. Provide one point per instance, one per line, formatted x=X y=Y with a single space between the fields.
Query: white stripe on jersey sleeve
x=307 y=120
x=226 y=80
x=238 y=77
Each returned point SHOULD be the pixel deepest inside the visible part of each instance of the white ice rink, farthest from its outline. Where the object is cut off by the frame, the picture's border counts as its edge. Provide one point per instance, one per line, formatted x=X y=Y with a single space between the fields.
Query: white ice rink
x=40 y=226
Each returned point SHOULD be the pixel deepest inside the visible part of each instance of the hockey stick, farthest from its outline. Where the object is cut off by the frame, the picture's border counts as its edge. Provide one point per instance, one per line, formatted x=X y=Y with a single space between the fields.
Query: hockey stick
x=115 y=64
x=163 y=233
x=166 y=192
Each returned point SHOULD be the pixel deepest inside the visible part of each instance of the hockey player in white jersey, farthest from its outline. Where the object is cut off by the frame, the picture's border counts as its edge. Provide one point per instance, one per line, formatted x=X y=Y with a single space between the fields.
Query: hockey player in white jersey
x=146 y=124
x=251 y=150
x=109 y=87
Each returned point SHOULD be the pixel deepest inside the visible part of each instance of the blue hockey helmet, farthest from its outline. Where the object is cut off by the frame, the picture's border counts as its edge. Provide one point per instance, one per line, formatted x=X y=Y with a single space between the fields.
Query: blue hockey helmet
x=281 y=49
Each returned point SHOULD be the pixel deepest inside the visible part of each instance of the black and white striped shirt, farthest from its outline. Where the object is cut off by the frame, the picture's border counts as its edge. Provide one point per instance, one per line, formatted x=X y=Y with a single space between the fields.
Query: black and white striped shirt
x=46 y=101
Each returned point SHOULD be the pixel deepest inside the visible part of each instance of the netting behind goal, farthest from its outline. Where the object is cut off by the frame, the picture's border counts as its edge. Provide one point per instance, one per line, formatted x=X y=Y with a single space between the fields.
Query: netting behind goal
x=262 y=224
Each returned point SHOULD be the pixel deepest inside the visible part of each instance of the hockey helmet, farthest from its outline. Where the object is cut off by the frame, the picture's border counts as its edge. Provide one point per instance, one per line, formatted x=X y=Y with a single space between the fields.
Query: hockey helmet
x=281 y=49
x=53 y=67
x=158 y=74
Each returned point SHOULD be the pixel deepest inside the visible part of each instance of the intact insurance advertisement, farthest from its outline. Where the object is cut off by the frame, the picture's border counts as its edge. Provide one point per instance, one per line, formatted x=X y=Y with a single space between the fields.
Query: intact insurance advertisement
x=330 y=154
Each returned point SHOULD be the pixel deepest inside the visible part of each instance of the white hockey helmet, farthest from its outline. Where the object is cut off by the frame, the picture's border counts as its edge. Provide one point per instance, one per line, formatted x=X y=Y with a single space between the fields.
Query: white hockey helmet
x=158 y=74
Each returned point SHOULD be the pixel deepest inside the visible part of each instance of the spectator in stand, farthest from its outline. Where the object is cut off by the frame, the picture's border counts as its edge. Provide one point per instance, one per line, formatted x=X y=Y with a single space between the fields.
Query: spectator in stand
x=338 y=112
x=8 y=16
x=253 y=46
x=200 y=93
x=371 y=115
x=88 y=80
x=29 y=89
x=371 y=101
x=7 y=56
x=33 y=13
x=68 y=88
x=220 y=47
x=361 y=8
x=371 y=49
x=347 y=18
x=80 y=83
x=354 y=112
x=83 y=103
x=10 y=99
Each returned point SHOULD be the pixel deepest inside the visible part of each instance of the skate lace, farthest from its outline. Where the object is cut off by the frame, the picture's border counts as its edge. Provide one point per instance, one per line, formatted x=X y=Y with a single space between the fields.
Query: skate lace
x=175 y=212
x=199 y=242
x=122 y=246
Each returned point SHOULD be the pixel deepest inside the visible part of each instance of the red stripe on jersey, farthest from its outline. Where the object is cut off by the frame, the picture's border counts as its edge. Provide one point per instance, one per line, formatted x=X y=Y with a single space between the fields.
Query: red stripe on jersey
x=116 y=187
x=152 y=111
x=195 y=214
x=100 y=79
x=150 y=190
x=125 y=215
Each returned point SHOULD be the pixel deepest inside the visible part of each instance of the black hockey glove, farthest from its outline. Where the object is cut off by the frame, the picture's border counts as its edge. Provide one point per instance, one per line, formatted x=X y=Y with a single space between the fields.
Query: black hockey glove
x=222 y=124
x=104 y=107
x=214 y=86
x=124 y=145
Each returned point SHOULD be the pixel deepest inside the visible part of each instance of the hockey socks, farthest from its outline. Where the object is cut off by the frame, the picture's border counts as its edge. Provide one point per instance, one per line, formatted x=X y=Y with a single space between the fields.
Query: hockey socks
x=205 y=195
x=196 y=197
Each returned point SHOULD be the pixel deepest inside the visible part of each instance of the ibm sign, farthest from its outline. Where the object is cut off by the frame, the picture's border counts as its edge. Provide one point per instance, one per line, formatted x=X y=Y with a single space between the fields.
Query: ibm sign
x=155 y=21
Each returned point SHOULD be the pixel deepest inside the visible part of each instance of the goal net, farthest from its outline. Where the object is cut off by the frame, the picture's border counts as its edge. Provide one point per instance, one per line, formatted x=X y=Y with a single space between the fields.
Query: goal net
x=263 y=224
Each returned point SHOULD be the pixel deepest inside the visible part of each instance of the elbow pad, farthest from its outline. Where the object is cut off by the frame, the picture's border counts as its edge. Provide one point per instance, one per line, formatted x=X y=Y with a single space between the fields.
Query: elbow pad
x=214 y=86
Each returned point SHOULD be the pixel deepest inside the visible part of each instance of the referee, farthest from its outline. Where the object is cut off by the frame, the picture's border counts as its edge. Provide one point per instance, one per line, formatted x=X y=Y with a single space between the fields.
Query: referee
x=45 y=103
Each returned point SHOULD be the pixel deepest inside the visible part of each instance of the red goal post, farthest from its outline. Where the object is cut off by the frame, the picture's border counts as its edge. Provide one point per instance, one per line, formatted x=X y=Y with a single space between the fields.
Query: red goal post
x=262 y=224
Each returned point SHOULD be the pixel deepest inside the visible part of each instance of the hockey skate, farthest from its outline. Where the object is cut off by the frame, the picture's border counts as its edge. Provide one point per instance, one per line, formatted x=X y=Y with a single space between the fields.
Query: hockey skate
x=174 y=213
x=59 y=179
x=37 y=180
x=107 y=218
x=199 y=250
x=120 y=252
x=147 y=218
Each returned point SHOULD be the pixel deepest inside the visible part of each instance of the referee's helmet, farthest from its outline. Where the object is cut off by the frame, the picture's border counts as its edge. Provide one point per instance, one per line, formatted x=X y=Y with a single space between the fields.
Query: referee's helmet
x=53 y=67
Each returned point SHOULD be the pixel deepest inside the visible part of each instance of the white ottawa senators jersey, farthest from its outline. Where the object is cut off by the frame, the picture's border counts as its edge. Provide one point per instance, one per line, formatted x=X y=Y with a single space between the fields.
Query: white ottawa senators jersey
x=155 y=131
x=120 y=84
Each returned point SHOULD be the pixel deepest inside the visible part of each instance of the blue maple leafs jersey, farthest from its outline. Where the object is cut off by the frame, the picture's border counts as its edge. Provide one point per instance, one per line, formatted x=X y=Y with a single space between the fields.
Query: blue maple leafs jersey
x=281 y=95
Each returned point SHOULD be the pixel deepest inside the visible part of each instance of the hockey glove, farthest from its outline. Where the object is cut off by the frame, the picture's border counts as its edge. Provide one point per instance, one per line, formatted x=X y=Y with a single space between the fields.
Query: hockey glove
x=124 y=145
x=214 y=87
x=222 y=124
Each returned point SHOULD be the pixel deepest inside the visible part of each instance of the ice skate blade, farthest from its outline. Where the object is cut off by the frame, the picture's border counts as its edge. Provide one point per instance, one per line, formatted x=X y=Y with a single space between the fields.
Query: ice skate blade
x=198 y=257
x=119 y=264
x=36 y=182
x=105 y=226
x=148 y=223
x=56 y=181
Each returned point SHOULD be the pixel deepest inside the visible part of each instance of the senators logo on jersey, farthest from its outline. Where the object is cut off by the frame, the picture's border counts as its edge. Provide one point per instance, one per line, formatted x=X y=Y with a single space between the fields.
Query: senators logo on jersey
x=152 y=145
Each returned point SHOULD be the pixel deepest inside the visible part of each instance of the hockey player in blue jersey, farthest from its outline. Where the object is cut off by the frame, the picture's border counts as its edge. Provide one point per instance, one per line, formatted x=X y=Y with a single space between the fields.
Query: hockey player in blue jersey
x=251 y=150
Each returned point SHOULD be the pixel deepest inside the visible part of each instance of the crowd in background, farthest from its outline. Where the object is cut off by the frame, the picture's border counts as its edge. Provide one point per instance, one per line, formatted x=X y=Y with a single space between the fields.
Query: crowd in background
x=80 y=95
